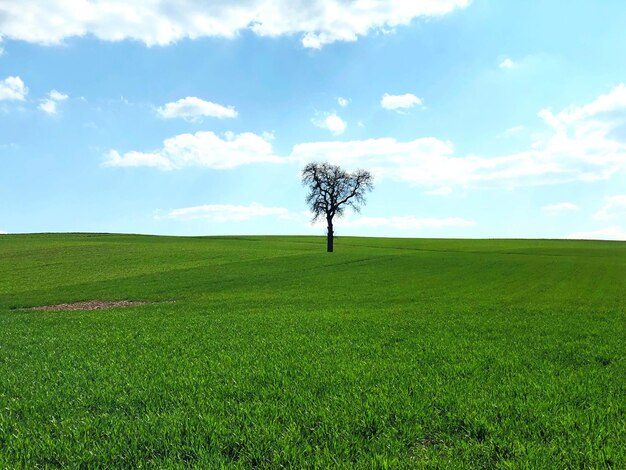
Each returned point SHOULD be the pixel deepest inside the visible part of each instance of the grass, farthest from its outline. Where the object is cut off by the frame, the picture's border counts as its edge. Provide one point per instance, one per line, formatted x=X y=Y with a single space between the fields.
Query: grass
x=387 y=353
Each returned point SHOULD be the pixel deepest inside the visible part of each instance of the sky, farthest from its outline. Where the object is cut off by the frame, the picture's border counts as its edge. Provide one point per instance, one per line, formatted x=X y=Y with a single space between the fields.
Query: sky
x=477 y=118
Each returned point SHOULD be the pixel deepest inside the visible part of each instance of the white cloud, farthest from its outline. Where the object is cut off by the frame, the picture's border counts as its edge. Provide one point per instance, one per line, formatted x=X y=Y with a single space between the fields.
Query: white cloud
x=49 y=105
x=269 y=136
x=441 y=191
x=202 y=149
x=57 y=95
x=608 y=233
x=12 y=89
x=192 y=108
x=226 y=212
x=613 y=207
x=343 y=102
x=153 y=22
x=399 y=102
x=316 y=41
x=555 y=209
x=507 y=63
x=2 y=232
x=331 y=122
x=587 y=143
x=409 y=222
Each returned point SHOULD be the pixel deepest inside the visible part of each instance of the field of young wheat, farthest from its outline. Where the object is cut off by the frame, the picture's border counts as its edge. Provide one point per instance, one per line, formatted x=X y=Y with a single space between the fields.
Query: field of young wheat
x=267 y=352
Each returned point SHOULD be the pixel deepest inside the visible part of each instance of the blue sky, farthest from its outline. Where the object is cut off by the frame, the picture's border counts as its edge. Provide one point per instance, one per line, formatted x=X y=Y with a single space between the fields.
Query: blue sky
x=478 y=118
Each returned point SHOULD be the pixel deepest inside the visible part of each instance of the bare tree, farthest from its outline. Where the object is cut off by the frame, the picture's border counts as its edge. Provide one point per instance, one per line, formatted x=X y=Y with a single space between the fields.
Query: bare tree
x=332 y=190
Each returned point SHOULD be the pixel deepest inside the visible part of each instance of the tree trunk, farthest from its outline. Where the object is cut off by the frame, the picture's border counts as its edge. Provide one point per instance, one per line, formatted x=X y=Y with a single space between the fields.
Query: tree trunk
x=329 y=236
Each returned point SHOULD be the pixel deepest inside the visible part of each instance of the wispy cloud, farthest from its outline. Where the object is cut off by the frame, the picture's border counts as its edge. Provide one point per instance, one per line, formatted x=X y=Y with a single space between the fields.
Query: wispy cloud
x=192 y=108
x=608 y=233
x=507 y=63
x=613 y=207
x=559 y=208
x=440 y=191
x=409 y=222
x=226 y=212
x=514 y=130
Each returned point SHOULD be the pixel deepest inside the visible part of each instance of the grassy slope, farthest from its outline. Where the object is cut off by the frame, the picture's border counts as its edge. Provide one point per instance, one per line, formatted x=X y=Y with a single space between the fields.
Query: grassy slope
x=403 y=352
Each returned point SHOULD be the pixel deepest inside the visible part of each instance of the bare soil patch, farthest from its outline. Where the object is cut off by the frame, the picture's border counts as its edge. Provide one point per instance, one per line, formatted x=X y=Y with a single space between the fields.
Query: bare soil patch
x=92 y=305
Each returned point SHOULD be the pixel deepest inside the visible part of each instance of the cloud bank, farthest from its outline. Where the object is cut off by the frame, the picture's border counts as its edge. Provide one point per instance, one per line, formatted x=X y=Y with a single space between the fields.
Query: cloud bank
x=317 y=22
x=585 y=143
x=202 y=149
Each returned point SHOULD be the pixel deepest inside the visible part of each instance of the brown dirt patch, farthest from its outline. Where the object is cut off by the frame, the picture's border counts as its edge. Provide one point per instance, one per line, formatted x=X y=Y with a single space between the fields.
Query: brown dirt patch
x=91 y=305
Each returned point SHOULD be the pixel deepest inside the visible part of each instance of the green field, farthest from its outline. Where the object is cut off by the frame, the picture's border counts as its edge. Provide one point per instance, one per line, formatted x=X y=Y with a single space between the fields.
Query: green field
x=267 y=352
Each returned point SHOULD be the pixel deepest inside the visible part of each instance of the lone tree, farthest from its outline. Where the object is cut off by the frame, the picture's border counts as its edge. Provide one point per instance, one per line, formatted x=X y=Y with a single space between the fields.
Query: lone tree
x=332 y=189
